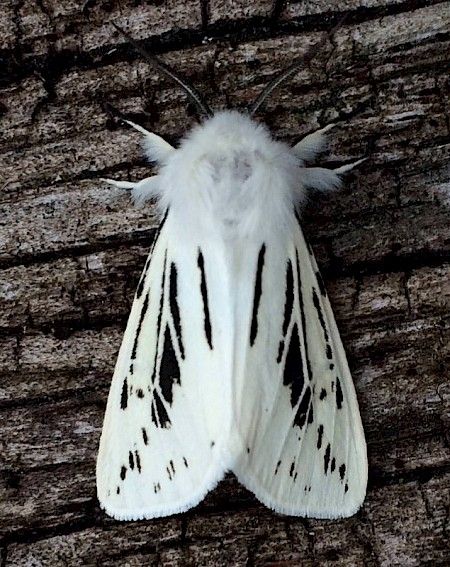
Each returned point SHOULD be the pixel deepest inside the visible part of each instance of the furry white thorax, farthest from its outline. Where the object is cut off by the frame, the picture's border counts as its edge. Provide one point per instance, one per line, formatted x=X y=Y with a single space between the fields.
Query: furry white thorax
x=230 y=175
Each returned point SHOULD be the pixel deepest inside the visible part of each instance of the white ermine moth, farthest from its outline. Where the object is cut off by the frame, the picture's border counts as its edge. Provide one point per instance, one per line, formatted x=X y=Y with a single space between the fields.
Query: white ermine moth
x=231 y=359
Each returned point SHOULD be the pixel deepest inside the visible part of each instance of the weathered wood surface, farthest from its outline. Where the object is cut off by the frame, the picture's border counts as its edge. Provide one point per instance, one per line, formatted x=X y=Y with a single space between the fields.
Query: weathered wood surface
x=70 y=258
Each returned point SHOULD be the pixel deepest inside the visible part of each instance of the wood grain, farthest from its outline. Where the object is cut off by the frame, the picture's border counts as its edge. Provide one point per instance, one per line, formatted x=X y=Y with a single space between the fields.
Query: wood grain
x=71 y=252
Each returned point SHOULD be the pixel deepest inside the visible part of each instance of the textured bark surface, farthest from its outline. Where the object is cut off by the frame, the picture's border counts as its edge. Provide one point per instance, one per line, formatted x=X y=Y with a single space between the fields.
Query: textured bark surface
x=70 y=257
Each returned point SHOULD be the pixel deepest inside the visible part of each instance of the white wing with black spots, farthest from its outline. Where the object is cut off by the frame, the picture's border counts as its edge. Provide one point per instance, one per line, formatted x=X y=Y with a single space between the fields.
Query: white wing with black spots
x=302 y=448
x=162 y=440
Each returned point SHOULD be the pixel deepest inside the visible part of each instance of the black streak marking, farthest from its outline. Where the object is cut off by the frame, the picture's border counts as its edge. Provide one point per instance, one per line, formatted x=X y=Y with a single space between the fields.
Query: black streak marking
x=159 y=414
x=295 y=477
x=333 y=464
x=185 y=462
x=131 y=460
x=339 y=396
x=291 y=470
x=169 y=473
x=158 y=325
x=204 y=291
x=144 y=436
x=311 y=414
x=302 y=312
x=300 y=416
x=248 y=450
x=138 y=461
x=329 y=352
x=140 y=287
x=326 y=458
x=293 y=368
x=288 y=304
x=140 y=393
x=124 y=396
x=331 y=366
x=172 y=466
x=319 y=436
x=123 y=472
x=319 y=313
x=173 y=291
x=257 y=296
x=277 y=467
x=131 y=369
x=323 y=291
x=323 y=394
x=139 y=327
x=169 y=372
x=342 y=471
x=118 y=490
x=346 y=488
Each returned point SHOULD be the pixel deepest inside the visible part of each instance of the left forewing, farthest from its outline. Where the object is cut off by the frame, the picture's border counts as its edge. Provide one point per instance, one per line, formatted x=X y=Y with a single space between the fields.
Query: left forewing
x=302 y=445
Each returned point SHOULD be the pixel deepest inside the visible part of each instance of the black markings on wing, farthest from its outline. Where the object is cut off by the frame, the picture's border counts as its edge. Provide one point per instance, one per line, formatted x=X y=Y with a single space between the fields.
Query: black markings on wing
x=139 y=327
x=144 y=436
x=326 y=458
x=319 y=436
x=123 y=472
x=318 y=308
x=301 y=413
x=124 y=395
x=158 y=324
x=303 y=318
x=288 y=306
x=140 y=287
x=159 y=414
x=138 y=461
x=342 y=471
x=293 y=368
x=204 y=292
x=169 y=372
x=339 y=395
x=257 y=295
x=131 y=460
x=175 y=310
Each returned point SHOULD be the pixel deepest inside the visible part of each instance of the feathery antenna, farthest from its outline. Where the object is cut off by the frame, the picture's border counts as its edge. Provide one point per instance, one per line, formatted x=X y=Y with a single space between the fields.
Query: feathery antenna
x=161 y=66
x=294 y=67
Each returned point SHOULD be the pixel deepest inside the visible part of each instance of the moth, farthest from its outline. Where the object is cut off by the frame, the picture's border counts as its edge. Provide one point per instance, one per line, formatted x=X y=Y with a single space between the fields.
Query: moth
x=231 y=359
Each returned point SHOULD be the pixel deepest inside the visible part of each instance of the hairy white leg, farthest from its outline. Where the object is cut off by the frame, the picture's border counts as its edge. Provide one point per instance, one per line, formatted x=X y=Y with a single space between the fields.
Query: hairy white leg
x=156 y=148
x=312 y=144
x=325 y=179
x=141 y=191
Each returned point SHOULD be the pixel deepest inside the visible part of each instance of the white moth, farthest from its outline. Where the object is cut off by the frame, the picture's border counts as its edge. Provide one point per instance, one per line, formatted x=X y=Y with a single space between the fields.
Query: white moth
x=231 y=359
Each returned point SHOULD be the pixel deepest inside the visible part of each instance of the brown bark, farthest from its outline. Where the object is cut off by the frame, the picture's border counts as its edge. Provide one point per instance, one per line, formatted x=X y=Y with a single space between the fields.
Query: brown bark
x=70 y=258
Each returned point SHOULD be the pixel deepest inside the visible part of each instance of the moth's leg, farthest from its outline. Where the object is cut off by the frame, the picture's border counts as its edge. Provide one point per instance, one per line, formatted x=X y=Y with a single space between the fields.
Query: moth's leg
x=156 y=148
x=325 y=179
x=140 y=190
x=313 y=144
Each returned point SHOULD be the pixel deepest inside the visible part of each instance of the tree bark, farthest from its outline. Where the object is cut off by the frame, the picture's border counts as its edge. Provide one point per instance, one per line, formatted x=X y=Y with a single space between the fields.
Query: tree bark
x=70 y=258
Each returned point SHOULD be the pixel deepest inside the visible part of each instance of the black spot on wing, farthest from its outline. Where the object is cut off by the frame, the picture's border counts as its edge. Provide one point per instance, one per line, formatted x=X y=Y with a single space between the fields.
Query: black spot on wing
x=185 y=462
x=346 y=488
x=288 y=305
x=326 y=458
x=138 y=461
x=293 y=368
x=124 y=395
x=257 y=295
x=118 y=490
x=144 y=436
x=123 y=472
x=291 y=470
x=131 y=460
x=333 y=464
x=342 y=471
x=175 y=310
x=169 y=372
x=204 y=292
x=339 y=395
x=318 y=307
x=323 y=394
x=139 y=327
x=140 y=393
x=300 y=415
x=159 y=413
x=140 y=287
x=277 y=467
x=319 y=436
x=303 y=318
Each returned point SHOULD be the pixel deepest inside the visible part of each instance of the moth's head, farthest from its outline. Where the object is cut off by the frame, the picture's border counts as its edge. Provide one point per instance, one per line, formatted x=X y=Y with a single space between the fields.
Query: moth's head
x=229 y=146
